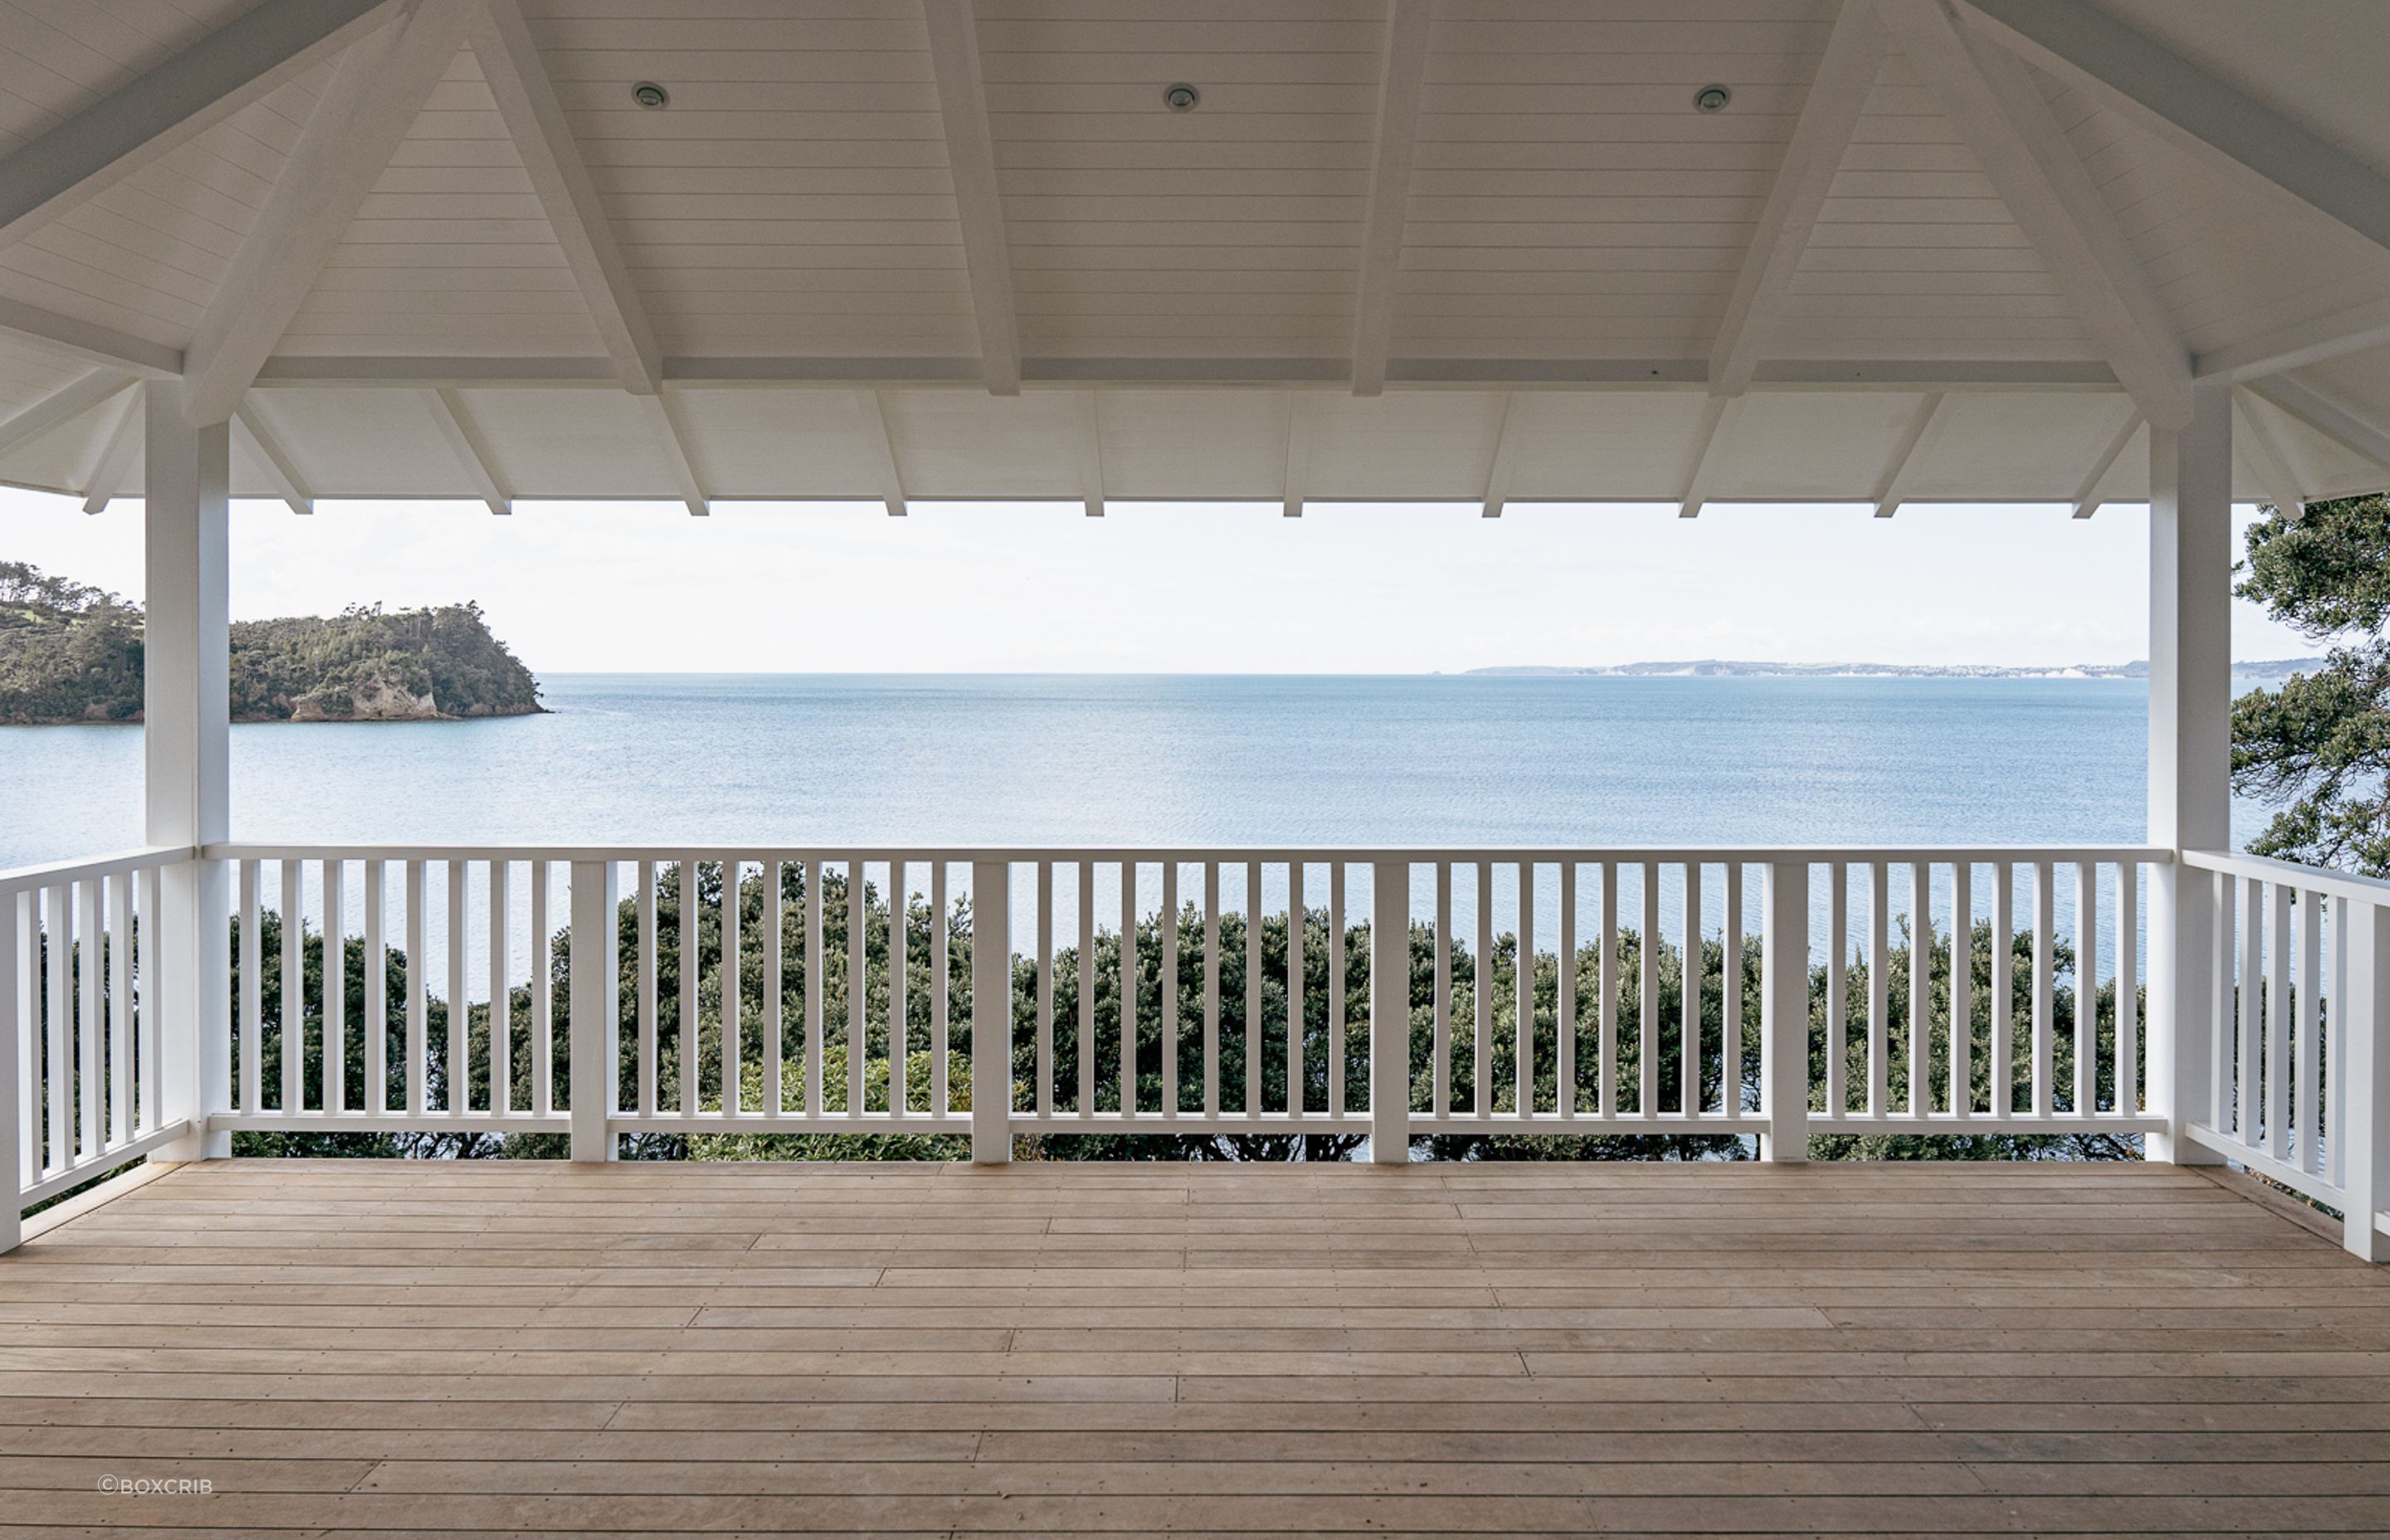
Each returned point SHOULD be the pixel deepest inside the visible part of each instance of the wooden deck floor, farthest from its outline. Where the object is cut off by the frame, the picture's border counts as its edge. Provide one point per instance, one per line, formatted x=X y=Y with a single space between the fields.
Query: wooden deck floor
x=508 y=1347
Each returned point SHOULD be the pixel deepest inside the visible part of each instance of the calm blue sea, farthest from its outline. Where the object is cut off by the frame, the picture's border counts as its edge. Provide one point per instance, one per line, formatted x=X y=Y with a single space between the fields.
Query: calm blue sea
x=745 y=759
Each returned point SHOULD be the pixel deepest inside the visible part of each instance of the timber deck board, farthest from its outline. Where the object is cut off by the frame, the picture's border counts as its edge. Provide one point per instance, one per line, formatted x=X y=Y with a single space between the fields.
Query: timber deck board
x=503 y=1348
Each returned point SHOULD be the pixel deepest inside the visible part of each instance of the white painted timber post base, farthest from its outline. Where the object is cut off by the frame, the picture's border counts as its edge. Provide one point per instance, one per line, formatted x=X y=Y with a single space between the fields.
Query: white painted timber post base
x=2368 y=1099
x=991 y=1012
x=1783 y=1013
x=594 y=1011
x=1390 y=1013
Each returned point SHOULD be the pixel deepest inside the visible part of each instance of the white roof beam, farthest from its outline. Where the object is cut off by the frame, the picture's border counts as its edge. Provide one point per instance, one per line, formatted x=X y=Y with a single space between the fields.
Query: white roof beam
x=61 y=405
x=2087 y=492
x=2002 y=117
x=1301 y=408
x=194 y=89
x=535 y=119
x=1837 y=97
x=674 y=451
x=2166 y=93
x=1091 y=452
x=374 y=98
x=115 y=461
x=2265 y=459
x=880 y=445
x=1499 y=470
x=286 y=482
x=2325 y=416
x=970 y=159
x=1708 y=438
x=447 y=413
x=1897 y=475
x=88 y=341
x=1402 y=75
x=2310 y=341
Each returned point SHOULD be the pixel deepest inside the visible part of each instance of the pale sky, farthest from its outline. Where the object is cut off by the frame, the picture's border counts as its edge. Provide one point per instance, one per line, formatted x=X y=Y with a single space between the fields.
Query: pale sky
x=1224 y=588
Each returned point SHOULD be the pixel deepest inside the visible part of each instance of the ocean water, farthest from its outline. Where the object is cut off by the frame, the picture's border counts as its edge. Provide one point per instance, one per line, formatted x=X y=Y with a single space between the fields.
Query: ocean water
x=852 y=760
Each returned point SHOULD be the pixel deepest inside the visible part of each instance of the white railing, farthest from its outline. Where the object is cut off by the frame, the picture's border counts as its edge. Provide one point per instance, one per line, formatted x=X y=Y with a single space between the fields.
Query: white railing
x=2294 y=1065
x=82 y=1087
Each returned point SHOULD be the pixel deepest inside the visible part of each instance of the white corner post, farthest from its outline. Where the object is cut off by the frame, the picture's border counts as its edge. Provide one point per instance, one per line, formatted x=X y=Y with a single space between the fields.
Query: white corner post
x=186 y=749
x=1390 y=1013
x=991 y=1012
x=594 y=1019
x=2366 y=1191
x=1784 y=1014
x=2190 y=752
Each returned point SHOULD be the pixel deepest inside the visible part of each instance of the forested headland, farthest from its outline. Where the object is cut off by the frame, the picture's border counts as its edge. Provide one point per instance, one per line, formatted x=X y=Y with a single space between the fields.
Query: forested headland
x=73 y=653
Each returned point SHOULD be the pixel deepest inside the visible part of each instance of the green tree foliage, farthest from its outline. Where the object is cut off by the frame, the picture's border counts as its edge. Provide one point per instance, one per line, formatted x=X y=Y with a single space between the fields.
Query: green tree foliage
x=69 y=652
x=1722 y=1083
x=2318 y=746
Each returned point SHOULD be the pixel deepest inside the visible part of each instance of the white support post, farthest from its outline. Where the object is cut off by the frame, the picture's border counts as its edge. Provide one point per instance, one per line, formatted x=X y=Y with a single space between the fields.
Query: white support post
x=2190 y=752
x=2366 y=941
x=991 y=1012
x=15 y=1020
x=593 y=1025
x=187 y=745
x=1784 y=1014
x=1389 y=1012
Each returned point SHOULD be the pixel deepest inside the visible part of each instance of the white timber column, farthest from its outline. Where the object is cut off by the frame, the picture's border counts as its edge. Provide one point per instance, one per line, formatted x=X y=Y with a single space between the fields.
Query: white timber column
x=186 y=713
x=2191 y=749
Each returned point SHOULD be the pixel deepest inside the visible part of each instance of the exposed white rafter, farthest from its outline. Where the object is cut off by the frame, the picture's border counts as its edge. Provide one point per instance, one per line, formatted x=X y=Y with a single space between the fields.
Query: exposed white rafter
x=1091 y=452
x=191 y=90
x=970 y=159
x=535 y=119
x=1301 y=408
x=665 y=431
x=88 y=341
x=1402 y=76
x=880 y=445
x=1900 y=470
x=1709 y=439
x=286 y=482
x=2002 y=117
x=2310 y=342
x=2251 y=435
x=1505 y=459
x=61 y=405
x=2325 y=416
x=447 y=413
x=115 y=461
x=2161 y=91
x=374 y=96
x=1837 y=97
x=2087 y=492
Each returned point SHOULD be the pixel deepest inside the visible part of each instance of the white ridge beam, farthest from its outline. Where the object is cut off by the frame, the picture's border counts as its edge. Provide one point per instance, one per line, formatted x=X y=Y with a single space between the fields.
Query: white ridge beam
x=375 y=96
x=287 y=483
x=2325 y=416
x=2086 y=493
x=1091 y=452
x=1837 y=97
x=669 y=443
x=447 y=413
x=60 y=405
x=2273 y=469
x=970 y=159
x=2166 y=93
x=1302 y=407
x=1402 y=75
x=1894 y=485
x=1708 y=438
x=115 y=462
x=2002 y=117
x=195 y=88
x=1505 y=462
x=536 y=121
x=88 y=341
x=881 y=447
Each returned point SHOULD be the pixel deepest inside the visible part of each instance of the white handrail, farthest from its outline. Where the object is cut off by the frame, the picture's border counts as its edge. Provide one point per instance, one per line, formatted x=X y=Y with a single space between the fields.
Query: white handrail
x=20 y=879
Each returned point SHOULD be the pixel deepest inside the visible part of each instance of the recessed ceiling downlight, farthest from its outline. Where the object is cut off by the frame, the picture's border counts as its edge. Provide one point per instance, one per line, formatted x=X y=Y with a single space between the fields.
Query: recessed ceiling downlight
x=1181 y=97
x=1712 y=99
x=649 y=94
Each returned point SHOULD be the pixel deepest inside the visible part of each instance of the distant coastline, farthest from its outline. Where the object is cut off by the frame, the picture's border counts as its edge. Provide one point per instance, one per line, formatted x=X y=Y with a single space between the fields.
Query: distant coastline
x=1727 y=668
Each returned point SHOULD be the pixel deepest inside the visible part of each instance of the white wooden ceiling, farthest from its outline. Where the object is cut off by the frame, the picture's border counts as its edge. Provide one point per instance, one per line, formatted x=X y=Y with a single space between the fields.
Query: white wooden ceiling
x=1469 y=251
